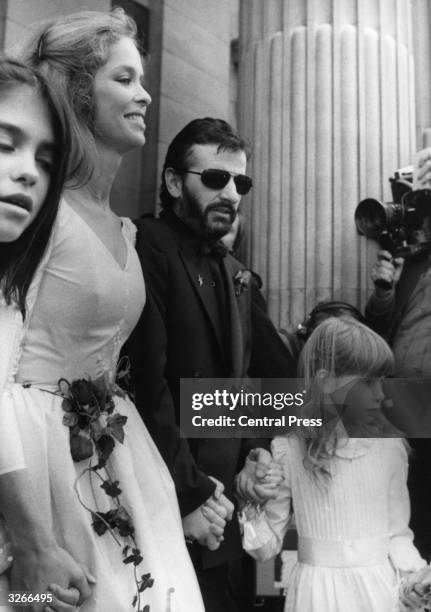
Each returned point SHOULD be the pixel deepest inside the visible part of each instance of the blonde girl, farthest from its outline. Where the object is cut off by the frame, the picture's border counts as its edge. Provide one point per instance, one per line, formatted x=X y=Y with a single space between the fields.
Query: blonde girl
x=349 y=493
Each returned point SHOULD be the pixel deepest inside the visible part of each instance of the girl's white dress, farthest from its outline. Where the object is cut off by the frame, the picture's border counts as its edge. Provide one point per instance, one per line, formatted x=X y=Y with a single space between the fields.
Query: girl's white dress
x=352 y=528
x=81 y=308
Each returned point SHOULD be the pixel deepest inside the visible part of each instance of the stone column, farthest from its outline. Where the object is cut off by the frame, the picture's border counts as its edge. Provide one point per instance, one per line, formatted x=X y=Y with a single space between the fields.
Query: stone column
x=326 y=95
x=422 y=53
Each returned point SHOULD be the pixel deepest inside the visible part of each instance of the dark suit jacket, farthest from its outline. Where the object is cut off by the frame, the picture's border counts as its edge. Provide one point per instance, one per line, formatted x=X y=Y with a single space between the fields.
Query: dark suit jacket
x=180 y=336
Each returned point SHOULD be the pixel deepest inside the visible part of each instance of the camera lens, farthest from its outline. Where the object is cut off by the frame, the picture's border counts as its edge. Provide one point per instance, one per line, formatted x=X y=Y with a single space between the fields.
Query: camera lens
x=371 y=218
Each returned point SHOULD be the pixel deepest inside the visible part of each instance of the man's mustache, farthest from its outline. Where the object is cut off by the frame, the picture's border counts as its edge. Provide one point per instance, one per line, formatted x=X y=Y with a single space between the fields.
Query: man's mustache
x=224 y=208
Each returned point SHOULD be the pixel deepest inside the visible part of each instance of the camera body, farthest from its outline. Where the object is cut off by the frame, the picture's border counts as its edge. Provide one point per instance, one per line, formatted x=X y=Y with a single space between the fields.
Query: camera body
x=402 y=227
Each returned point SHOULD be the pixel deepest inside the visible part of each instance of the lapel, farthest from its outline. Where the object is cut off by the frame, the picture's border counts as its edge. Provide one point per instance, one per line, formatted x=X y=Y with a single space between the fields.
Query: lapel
x=188 y=257
x=240 y=320
x=204 y=292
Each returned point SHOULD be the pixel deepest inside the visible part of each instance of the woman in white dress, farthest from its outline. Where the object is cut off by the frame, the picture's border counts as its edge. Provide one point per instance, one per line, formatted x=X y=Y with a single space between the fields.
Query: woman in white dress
x=102 y=491
x=349 y=492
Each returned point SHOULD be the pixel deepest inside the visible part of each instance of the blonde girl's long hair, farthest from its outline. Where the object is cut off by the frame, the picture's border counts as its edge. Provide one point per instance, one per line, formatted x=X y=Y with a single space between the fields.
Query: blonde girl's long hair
x=338 y=347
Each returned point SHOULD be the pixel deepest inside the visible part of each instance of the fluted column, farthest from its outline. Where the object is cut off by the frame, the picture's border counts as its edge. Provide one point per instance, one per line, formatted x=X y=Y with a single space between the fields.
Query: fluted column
x=326 y=95
x=422 y=52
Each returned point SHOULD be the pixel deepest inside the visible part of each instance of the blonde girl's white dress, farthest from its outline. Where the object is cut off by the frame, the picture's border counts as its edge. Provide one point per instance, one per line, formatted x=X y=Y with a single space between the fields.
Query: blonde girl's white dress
x=81 y=308
x=353 y=531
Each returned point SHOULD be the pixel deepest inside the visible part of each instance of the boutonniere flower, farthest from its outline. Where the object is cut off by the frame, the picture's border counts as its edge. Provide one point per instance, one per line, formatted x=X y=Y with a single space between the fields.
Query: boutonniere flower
x=241 y=281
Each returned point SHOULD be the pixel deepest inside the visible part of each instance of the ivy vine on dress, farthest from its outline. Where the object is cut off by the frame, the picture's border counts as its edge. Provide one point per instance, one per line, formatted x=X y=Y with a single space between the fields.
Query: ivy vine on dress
x=95 y=428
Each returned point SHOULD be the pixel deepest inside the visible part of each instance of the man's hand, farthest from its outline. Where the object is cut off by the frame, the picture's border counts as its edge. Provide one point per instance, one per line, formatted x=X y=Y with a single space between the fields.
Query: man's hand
x=222 y=500
x=386 y=270
x=219 y=487
x=260 y=477
x=205 y=524
x=228 y=505
x=35 y=569
x=222 y=506
x=218 y=506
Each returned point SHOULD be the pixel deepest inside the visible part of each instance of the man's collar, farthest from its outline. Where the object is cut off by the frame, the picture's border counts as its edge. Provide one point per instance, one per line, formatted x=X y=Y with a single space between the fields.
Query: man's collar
x=214 y=249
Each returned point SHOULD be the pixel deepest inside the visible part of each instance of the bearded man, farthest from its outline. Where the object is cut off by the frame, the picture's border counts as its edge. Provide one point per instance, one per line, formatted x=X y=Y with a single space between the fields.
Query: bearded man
x=197 y=324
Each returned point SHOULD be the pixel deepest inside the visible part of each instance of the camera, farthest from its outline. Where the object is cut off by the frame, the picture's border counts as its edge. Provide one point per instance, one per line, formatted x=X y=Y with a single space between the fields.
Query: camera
x=402 y=227
x=325 y=310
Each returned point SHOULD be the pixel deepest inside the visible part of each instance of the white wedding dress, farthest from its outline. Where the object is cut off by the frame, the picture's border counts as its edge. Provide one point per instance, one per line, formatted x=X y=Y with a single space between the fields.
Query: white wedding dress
x=82 y=306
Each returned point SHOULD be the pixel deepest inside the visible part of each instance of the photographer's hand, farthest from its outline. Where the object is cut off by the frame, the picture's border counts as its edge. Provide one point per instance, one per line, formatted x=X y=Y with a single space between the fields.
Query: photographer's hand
x=422 y=170
x=385 y=273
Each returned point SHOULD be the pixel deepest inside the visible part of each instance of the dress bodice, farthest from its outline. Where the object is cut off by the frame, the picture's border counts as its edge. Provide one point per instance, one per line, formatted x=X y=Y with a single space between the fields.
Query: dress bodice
x=352 y=501
x=85 y=308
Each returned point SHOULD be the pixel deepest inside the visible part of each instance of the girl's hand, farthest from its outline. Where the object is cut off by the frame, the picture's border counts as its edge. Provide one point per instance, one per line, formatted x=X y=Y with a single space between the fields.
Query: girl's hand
x=268 y=480
x=34 y=569
x=260 y=478
x=63 y=600
x=415 y=590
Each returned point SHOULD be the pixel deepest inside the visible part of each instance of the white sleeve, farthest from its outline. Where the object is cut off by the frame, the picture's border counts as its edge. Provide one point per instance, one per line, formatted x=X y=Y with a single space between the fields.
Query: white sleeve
x=12 y=329
x=263 y=533
x=11 y=450
x=403 y=553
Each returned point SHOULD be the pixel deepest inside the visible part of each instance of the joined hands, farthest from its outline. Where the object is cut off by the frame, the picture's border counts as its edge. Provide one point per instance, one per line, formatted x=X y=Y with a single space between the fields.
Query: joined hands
x=257 y=482
x=32 y=568
x=260 y=478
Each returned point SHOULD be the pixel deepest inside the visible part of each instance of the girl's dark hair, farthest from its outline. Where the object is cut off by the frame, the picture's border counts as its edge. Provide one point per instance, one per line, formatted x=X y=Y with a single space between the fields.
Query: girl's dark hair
x=198 y=132
x=19 y=259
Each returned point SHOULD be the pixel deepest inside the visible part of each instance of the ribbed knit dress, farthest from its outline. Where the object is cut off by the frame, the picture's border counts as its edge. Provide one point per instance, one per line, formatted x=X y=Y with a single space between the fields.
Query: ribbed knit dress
x=352 y=526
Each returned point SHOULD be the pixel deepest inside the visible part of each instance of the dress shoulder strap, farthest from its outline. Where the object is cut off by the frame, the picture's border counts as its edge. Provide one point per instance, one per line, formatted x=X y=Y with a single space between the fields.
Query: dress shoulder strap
x=129 y=229
x=11 y=329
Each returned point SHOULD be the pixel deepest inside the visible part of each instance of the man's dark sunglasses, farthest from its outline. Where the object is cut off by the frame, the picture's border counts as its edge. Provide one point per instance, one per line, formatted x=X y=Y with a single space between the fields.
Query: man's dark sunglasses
x=218 y=179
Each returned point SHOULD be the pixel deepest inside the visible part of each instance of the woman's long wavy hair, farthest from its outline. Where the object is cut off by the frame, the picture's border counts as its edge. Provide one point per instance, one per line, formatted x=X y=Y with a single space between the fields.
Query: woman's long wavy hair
x=68 y=51
x=338 y=347
x=20 y=258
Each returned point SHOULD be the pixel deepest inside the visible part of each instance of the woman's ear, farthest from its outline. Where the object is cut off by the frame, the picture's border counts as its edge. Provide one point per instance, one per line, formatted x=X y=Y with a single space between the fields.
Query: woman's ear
x=174 y=182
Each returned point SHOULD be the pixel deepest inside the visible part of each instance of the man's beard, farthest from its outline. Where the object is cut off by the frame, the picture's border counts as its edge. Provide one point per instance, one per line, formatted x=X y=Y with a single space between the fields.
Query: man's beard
x=203 y=222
